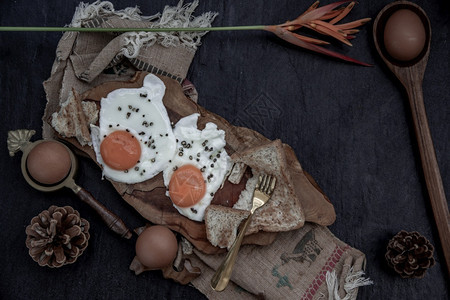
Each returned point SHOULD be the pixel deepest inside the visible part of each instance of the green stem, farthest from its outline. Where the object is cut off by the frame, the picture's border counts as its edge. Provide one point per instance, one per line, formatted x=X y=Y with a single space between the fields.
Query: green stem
x=84 y=29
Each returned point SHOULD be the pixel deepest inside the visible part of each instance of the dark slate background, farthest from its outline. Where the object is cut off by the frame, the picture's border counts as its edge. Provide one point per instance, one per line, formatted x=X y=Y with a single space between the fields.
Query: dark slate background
x=350 y=126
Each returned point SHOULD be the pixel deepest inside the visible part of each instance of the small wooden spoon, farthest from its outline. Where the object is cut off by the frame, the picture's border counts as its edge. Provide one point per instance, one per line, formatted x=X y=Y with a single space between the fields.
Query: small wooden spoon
x=410 y=73
x=19 y=140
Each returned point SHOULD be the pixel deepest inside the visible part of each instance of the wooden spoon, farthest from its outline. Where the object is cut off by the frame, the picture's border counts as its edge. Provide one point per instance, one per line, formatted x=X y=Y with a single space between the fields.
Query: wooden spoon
x=410 y=73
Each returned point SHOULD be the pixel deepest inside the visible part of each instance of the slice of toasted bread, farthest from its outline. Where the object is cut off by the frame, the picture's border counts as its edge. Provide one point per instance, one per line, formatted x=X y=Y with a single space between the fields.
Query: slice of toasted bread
x=283 y=211
x=74 y=117
x=222 y=223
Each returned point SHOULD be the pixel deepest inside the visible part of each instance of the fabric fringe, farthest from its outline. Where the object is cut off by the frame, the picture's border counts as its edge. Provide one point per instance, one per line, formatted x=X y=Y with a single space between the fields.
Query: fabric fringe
x=352 y=282
x=180 y=16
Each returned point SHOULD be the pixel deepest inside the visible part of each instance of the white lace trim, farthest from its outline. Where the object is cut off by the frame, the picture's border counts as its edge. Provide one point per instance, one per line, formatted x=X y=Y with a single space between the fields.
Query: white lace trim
x=180 y=16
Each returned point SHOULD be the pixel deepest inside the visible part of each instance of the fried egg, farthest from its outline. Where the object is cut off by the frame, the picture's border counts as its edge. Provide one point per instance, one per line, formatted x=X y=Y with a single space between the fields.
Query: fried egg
x=134 y=140
x=198 y=168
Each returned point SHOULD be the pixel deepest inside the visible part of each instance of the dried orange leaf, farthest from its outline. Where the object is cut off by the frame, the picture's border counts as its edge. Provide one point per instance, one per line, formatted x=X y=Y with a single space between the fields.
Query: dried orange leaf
x=353 y=24
x=344 y=13
x=319 y=12
x=291 y=38
x=310 y=39
x=329 y=30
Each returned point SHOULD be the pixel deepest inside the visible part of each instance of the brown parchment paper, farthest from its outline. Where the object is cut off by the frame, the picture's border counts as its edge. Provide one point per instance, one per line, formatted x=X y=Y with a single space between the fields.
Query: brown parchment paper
x=295 y=264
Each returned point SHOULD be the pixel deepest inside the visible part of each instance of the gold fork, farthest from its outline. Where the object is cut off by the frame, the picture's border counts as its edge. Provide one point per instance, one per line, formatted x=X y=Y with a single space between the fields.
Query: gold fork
x=261 y=195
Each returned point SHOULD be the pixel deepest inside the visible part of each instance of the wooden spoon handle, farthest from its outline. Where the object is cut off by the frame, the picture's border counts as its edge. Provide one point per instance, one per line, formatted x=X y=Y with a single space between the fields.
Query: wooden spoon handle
x=430 y=168
x=112 y=220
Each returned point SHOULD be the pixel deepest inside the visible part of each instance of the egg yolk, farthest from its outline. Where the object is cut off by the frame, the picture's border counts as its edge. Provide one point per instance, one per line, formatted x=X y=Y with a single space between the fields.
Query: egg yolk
x=187 y=186
x=120 y=150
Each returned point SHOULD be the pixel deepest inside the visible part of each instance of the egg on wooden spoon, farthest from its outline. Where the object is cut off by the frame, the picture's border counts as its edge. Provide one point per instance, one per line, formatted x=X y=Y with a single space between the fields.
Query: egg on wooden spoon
x=134 y=140
x=198 y=168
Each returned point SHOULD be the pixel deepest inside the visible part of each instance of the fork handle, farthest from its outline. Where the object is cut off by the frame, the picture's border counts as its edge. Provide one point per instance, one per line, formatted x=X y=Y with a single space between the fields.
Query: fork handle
x=223 y=274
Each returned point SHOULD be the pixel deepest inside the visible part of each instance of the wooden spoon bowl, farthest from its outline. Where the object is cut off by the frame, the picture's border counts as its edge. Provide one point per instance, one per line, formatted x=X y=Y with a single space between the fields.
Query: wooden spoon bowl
x=410 y=73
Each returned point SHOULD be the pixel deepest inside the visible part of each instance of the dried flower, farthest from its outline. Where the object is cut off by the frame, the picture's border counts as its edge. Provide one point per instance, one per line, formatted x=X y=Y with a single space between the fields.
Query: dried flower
x=315 y=18
x=320 y=19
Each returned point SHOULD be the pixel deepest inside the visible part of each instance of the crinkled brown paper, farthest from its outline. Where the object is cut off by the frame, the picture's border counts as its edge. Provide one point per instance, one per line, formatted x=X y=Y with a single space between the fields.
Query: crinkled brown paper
x=295 y=264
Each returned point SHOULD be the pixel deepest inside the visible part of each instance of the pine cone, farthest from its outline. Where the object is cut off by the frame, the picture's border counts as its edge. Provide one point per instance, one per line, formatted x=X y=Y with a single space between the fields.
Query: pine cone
x=410 y=254
x=57 y=236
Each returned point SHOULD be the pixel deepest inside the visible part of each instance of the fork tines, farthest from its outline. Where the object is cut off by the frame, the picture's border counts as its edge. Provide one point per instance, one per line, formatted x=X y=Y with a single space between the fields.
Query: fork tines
x=266 y=183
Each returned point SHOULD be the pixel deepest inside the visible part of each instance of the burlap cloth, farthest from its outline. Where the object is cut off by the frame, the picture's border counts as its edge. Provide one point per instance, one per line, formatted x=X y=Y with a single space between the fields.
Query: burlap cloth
x=308 y=263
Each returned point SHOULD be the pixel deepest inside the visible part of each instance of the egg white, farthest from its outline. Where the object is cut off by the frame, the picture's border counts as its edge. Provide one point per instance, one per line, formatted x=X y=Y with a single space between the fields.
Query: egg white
x=142 y=113
x=205 y=150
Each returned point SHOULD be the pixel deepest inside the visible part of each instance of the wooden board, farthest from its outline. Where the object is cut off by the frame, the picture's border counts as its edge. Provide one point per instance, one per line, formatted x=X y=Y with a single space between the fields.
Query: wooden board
x=149 y=198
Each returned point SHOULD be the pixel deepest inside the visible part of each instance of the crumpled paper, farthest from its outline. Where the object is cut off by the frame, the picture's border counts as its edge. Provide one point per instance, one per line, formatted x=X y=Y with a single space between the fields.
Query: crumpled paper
x=307 y=263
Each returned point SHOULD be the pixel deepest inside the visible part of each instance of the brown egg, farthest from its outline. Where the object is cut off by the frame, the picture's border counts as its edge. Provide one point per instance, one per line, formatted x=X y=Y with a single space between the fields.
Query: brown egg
x=48 y=162
x=156 y=247
x=404 y=35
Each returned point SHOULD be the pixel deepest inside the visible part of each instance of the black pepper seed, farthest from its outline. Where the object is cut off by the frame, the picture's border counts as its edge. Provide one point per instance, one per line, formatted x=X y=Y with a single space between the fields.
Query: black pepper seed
x=153 y=160
x=167 y=134
x=193 y=210
x=190 y=157
x=126 y=171
x=212 y=194
x=119 y=108
x=198 y=159
x=117 y=125
x=151 y=123
x=198 y=154
x=183 y=143
x=143 y=95
x=212 y=165
x=137 y=109
x=104 y=136
x=110 y=126
x=127 y=130
x=136 y=168
x=153 y=146
x=215 y=159
x=130 y=107
x=180 y=153
x=175 y=168
x=128 y=114
x=218 y=155
x=143 y=116
x=141 y=133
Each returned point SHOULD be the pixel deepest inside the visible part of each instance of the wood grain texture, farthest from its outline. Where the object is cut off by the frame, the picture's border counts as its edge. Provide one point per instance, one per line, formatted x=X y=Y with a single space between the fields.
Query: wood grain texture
x=149 y=198
x=350 y=127
x=411 y=74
